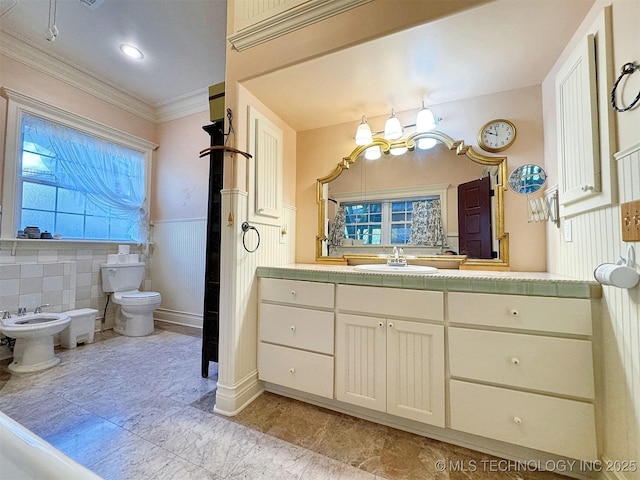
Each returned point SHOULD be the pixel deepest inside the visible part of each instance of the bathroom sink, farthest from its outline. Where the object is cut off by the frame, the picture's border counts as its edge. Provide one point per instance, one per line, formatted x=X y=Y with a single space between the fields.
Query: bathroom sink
x=384 y=268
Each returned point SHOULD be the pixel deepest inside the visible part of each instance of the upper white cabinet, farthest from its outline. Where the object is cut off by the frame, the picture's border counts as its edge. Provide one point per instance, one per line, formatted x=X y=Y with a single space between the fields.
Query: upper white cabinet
x=265 y=169
x=577 y=111
x=585 y=122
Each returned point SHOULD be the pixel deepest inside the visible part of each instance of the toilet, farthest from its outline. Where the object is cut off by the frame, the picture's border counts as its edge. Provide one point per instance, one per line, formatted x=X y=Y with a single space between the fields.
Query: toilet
x=134 y=317
x=33 y=351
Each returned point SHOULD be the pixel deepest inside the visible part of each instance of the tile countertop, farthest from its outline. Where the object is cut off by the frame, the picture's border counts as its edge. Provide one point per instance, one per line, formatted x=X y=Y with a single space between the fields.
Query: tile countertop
x=476 y=281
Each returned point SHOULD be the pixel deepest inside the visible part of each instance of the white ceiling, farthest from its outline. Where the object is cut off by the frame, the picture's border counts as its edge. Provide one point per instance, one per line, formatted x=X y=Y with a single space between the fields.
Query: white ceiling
x=183 y=41
x=499 y=46
x=502 y=45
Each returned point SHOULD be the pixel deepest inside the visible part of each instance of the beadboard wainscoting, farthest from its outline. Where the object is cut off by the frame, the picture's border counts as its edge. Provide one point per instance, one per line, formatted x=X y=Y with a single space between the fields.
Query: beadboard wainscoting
x=238 y=372
x=597 y=238
x=179 y=254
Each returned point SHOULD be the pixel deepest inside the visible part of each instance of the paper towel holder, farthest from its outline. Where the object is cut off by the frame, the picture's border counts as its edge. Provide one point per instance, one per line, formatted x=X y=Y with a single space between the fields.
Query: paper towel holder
x=621 y=274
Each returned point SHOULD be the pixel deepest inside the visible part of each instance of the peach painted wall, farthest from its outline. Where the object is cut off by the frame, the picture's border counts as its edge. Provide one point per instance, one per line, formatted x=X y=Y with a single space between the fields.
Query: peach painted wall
x=319 y=151
x=180 y=178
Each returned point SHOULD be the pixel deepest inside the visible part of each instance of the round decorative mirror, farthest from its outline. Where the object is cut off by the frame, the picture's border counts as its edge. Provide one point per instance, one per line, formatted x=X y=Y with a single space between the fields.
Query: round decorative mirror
x=527 y=179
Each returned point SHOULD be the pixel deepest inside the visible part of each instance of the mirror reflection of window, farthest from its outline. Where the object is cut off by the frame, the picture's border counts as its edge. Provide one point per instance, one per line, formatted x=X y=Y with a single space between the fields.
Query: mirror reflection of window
x=385 y=222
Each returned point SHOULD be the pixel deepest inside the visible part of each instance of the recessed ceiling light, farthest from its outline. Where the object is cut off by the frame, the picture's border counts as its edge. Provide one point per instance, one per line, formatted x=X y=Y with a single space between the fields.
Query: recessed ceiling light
x=131 y=51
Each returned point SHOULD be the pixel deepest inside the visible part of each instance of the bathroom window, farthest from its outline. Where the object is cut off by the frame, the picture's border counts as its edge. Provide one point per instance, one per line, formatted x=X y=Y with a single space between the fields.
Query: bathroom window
x=73 y=177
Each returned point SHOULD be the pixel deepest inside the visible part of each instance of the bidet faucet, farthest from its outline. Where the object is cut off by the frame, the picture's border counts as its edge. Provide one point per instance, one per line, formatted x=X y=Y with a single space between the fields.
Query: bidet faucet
x=38 y=309
x=5 y=314
x=22 y=311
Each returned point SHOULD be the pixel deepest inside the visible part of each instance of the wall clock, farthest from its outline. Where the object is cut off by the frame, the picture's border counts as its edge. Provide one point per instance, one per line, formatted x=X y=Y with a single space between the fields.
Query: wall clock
x=496 y=135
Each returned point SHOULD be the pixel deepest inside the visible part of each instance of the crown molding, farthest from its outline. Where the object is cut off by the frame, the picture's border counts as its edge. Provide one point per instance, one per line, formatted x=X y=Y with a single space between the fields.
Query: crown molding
x=32 y=55
x=295 y=18
x=182 y=106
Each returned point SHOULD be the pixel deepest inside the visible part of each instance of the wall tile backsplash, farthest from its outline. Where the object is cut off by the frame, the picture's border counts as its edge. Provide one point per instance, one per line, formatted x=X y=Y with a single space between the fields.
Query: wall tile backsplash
x=65 y=277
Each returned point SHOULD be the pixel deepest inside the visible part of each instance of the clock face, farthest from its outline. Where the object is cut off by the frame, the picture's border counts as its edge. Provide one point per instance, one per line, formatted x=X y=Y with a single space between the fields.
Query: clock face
x=497 y=135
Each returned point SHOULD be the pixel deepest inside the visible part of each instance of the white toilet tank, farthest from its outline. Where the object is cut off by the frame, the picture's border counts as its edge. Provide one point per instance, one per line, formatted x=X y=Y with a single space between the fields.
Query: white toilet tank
x=122 y=277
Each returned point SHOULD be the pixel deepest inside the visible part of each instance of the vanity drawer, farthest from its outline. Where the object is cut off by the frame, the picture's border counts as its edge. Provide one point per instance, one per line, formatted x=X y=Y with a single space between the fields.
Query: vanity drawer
x=297 y=327
x=547 y=314
x=296 y=292
x=555 y=425
x=392 y=302
x=297 y=369
x=557 y=365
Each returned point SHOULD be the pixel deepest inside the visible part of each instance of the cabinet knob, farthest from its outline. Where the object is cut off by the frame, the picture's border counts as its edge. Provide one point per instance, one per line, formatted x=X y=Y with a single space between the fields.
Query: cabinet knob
x=514 y=313
x=381 y=324
x=515 y=361
x=517 y=420
x=292 y=370
x=293 y=293
x=293 y=328
x=390 y=324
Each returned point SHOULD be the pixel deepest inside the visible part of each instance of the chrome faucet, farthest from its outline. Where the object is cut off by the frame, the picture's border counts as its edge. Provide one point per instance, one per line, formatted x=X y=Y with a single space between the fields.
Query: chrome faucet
x=5 y=314
x=22 y=311
x=38 y=309
x=398 y=259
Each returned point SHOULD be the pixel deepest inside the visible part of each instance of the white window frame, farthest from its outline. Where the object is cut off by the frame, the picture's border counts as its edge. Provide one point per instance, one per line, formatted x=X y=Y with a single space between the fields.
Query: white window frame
x=17 y=105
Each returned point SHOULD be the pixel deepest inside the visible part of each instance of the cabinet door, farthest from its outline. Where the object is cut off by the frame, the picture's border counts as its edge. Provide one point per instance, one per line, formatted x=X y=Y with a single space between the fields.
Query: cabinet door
x=415 y=371
x=361 y=361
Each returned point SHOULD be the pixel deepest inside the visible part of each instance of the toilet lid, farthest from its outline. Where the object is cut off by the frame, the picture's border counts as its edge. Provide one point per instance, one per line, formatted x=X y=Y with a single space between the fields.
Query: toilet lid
x=140 y=295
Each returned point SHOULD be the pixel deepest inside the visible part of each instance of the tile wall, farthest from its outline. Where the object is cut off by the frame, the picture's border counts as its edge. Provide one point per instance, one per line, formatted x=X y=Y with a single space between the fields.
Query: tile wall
x=66 y=277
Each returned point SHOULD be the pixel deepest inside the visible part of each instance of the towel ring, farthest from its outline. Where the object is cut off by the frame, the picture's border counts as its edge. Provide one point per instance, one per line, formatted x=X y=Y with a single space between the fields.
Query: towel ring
x=245 y=228
x=627 y=69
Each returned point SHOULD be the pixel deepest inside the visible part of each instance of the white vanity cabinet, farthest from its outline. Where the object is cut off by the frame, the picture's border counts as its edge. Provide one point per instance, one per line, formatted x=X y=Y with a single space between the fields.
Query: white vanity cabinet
x=296 y=335
x=521 y=371
x=390 y=351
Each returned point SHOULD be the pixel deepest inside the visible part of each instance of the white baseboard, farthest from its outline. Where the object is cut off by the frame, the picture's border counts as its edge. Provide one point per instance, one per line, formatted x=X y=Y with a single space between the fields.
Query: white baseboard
x=178 y=318
x=232 y=399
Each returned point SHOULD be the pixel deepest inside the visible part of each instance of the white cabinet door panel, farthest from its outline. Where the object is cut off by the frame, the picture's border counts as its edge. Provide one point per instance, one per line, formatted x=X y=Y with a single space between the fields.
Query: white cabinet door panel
x=361 y=361
x=415 y=371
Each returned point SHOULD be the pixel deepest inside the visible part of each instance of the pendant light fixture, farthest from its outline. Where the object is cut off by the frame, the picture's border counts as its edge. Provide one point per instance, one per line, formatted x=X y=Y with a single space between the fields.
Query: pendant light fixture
x=425 y=121
x=393 y=130
x=364 y=137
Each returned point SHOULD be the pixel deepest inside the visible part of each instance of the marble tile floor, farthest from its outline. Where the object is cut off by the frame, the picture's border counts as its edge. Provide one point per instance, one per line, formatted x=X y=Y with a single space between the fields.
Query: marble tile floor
x=138 y=408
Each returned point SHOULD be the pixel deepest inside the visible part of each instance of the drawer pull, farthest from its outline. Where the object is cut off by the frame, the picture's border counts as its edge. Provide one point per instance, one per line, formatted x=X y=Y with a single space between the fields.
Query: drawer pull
x=381 y=324
x=292 y=370
x=293 y=293
x=293 y=328
x=517 y=420
x=390 y=325
x=515 y=361
x=514 y=313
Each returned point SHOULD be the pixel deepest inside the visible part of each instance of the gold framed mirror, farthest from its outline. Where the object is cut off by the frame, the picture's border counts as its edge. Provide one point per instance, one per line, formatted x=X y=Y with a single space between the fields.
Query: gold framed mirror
x=493 y=166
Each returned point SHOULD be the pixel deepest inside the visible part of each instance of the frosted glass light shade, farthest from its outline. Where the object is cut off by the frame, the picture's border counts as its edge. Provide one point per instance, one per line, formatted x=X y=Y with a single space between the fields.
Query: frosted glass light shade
x=398 y=151
x=372 y=153
x=392 y=128
x=363 y=133
x=425 y=121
